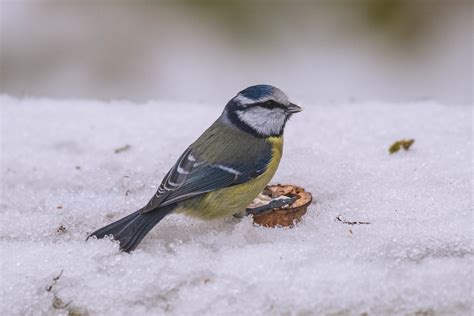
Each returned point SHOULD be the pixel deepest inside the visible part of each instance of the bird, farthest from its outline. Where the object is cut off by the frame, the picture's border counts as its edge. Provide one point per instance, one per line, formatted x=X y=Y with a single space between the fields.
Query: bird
x=223 y=171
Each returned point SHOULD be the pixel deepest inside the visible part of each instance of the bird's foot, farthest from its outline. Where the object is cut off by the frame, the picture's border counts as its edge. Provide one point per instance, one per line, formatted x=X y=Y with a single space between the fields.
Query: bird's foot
x=274 y=203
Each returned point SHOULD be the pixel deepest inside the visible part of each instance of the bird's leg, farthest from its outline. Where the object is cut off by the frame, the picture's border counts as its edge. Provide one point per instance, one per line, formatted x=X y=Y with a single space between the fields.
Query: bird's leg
x=239 y=215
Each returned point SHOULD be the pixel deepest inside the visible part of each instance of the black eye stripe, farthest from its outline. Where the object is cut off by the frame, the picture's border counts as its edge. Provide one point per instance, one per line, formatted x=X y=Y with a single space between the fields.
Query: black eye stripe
x=270 y=104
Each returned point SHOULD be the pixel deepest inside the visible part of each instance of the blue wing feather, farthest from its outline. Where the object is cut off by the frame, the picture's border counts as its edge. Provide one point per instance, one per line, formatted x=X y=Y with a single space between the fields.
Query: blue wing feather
x=201 y=177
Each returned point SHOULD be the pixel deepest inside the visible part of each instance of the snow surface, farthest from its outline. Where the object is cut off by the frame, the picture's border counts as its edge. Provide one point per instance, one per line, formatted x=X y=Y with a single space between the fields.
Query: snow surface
x=61 y=179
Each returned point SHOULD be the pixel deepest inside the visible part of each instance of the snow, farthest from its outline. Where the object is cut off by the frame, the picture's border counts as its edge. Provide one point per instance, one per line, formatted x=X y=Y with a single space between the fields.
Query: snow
x=61 y=179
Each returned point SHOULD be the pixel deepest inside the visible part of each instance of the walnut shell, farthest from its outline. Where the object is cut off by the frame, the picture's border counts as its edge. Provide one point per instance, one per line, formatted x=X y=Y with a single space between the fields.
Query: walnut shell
x=285 y=216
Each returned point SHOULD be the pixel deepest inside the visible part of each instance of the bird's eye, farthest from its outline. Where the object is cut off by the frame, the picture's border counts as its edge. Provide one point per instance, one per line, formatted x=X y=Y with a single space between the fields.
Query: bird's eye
x=269 y=104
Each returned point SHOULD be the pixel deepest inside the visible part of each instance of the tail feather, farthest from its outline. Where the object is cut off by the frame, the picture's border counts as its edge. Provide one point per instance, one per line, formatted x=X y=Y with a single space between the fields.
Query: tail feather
x=114 y=227
x=131 y=229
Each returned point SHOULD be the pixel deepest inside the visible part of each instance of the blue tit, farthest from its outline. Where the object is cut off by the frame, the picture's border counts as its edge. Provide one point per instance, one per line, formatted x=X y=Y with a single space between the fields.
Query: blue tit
x=223 y=171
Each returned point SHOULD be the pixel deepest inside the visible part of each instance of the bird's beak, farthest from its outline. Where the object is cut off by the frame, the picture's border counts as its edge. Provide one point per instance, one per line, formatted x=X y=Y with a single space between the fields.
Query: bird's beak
x=293 y=108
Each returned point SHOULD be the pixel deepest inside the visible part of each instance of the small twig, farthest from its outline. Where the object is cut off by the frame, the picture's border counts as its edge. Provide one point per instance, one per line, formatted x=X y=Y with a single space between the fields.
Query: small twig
x=57 y=302
x=341 y=219
x=121 y=149
x=55 y=280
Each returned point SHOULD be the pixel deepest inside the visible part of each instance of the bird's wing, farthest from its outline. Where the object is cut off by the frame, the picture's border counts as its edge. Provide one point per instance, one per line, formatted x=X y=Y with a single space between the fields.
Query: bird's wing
x=192 y=176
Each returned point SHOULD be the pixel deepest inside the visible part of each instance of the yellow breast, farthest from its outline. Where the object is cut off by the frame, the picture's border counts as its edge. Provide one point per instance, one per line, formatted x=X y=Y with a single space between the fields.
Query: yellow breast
x=235 y=199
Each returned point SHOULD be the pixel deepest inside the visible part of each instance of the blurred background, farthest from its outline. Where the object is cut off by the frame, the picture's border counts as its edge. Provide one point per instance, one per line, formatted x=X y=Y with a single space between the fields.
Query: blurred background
x=205 y=51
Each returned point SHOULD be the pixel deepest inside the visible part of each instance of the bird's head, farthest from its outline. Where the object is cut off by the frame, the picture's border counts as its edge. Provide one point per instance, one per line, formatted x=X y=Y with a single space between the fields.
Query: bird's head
x=262 y=110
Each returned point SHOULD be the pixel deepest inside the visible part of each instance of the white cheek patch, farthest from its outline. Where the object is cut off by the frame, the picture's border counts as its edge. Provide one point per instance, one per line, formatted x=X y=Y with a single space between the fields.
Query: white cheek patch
x=265 y=121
